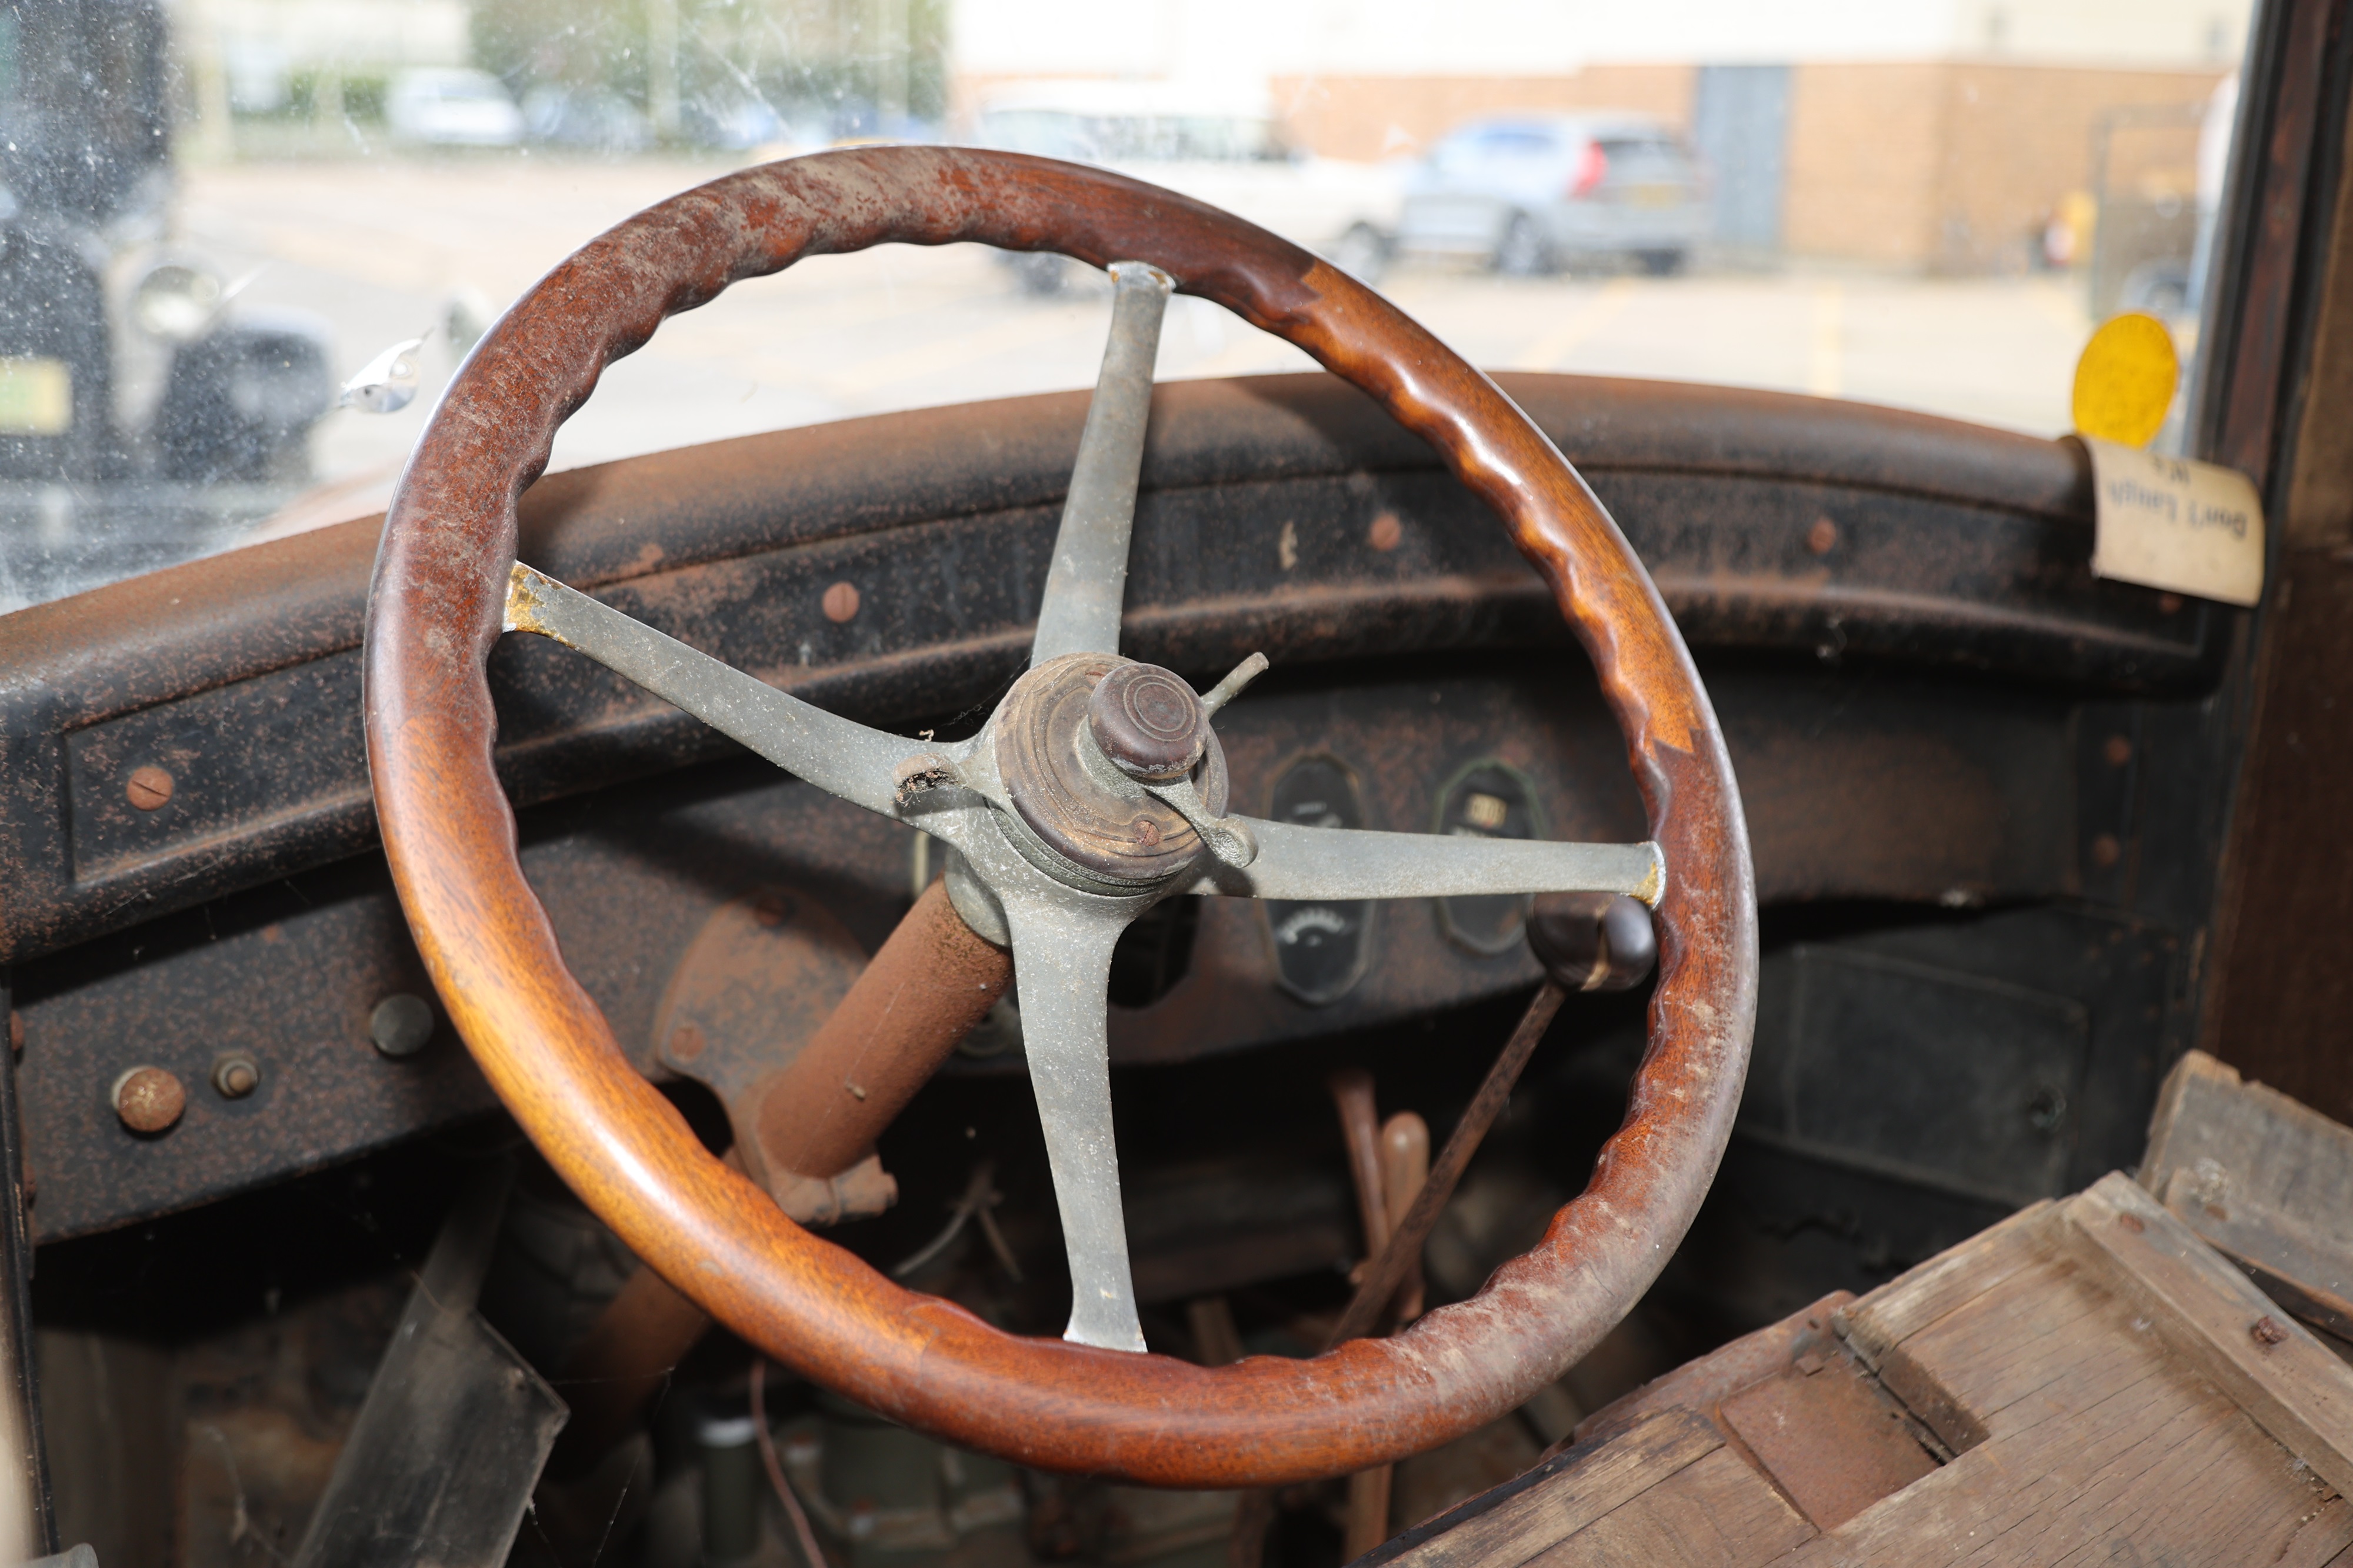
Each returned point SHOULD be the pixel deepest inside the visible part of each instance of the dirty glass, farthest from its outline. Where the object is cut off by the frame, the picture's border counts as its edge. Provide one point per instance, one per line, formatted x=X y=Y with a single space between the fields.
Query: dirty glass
x=244 y=243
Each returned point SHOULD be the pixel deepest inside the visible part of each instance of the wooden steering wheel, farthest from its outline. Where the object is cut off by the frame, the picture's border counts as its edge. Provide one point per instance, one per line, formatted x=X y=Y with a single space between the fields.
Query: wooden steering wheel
x=1095 y=790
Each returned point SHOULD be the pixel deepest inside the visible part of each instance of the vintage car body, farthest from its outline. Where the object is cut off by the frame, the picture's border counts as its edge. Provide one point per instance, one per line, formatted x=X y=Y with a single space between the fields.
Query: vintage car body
x=2022 y=838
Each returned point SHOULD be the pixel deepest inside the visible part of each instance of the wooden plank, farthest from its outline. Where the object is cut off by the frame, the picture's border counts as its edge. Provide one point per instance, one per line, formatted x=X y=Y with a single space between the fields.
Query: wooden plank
x=2264 y=1149
x=1724 y=1371
x=1715 y=1513
x=1912 y=1300
x=2301 y=1269
x=2213 y=1315
x=2160 y=1468
x=2266 y=1180
x=1508 y=1527
x=2025 y=1334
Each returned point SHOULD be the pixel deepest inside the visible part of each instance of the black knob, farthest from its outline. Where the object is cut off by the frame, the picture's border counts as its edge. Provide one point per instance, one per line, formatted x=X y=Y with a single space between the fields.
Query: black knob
x=1148 y=722
x=1593 y=941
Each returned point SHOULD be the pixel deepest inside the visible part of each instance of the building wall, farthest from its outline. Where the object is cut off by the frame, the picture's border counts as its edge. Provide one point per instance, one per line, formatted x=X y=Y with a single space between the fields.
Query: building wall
x=1372 y=117
x=1864 y=144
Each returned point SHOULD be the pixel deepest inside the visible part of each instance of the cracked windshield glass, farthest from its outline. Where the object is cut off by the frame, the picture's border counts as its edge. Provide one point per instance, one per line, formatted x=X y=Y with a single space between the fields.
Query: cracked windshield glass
x=247 y=241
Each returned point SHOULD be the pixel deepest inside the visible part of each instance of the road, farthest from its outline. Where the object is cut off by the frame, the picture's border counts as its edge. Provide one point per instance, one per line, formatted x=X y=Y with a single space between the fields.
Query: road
x=378 y=247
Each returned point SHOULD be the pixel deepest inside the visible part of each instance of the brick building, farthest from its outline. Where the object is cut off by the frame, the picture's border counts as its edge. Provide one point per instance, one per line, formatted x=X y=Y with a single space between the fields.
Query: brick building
x=1937 y=134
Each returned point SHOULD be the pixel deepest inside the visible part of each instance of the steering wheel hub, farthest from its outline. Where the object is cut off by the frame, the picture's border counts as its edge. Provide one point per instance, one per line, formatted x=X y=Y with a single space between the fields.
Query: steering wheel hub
x=1094 y=823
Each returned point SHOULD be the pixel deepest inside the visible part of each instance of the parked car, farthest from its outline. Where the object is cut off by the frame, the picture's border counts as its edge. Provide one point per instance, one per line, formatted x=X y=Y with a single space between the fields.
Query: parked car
x=738 y=125
x=144 y=409
x=595 y=120
x=1530 y=194
x=1226 y=150
x=452 y=107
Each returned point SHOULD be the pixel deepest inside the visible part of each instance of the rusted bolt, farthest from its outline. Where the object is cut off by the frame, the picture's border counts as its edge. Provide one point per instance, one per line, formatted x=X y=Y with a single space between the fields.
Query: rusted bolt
x=148 y=1099
x=2117 y=750
x=2105 y=851
x=1823 y=538
x=236 y=1075
x=402 y=1025
x=841 y=601
x=150 y=787
x=1386 y=532
x=685 y=1042
x=2267 y=1331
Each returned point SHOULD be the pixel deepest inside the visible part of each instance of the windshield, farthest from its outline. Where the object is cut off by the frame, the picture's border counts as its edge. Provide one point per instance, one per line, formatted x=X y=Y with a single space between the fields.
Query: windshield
x=243 y=246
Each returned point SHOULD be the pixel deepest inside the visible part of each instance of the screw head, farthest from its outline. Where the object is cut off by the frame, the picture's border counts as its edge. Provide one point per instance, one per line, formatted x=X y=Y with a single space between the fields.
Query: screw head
x=402 y=1025
x=841 y=602
x=1148 y=722
x=149 y=788
x=149 y=1099
x=236 y=1075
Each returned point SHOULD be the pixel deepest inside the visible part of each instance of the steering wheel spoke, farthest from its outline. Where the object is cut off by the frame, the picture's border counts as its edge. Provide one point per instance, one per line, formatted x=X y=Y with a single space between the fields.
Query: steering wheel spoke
x=1061 y=962
x=1316 y=864
x=836 y=754
x=1088 y=581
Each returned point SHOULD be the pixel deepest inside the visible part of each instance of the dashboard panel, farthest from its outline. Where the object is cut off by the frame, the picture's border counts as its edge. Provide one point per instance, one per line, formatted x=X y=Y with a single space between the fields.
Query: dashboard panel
x=1920 y=682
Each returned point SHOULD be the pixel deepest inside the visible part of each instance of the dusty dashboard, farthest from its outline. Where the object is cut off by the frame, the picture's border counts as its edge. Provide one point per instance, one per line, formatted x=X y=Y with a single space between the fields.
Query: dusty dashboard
x=1933 y=708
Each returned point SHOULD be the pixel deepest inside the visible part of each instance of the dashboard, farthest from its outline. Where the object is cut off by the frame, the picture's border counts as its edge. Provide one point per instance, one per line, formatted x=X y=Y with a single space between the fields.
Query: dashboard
x=1950 y=740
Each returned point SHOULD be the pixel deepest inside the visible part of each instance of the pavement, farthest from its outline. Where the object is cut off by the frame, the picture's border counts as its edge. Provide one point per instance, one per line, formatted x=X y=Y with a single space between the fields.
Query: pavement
x=378 y=247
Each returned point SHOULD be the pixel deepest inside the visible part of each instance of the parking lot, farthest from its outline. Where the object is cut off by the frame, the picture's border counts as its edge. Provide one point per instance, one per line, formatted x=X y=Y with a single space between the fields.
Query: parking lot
x=378 y=247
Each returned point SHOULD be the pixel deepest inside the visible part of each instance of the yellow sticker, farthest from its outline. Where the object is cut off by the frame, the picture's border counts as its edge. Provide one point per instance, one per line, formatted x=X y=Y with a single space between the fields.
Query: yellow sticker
x=2124 y=382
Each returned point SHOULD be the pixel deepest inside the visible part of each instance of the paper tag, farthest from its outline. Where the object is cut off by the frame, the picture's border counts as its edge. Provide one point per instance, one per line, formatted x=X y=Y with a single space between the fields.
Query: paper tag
x=2170 y=522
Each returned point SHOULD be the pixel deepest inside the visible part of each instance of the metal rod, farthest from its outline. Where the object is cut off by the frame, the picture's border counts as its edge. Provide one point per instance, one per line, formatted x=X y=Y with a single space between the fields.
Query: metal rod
x=1388 y=1270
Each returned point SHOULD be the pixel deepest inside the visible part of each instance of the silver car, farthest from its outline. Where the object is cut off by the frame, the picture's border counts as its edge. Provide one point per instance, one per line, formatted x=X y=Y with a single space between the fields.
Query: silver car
x=1529 y=193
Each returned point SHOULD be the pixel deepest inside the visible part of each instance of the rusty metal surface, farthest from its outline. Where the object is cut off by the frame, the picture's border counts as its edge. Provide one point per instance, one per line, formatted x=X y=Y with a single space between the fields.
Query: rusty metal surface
x=817 y=1114
x=1830 y=1437
x=1955 y=547
x=1906 y=791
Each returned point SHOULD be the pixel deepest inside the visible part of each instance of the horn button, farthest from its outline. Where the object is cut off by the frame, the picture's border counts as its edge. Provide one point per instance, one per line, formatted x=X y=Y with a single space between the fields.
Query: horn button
x=1075 y=735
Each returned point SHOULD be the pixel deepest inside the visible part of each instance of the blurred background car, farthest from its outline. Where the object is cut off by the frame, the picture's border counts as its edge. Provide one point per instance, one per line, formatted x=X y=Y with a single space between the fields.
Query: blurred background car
x=739 y=125
x=451 y=106
x=1532 y=194
x=1226 y=150
x=591 y=118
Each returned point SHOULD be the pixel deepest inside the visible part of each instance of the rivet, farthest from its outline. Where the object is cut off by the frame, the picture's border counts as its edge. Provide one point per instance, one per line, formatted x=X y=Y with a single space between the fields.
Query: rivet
x=402 y=1025
x=2105 y=851
x=149 y=787
x=1823 y=538
x=1386 y=532
x=236 y=1075
x=148 y=1099
x=841 y=601
x=2168 y=604
x=685 y=1042
x=2118 y=751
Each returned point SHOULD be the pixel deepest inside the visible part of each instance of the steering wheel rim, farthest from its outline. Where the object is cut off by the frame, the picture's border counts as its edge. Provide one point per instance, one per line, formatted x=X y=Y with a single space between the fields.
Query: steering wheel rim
x=435 y=610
